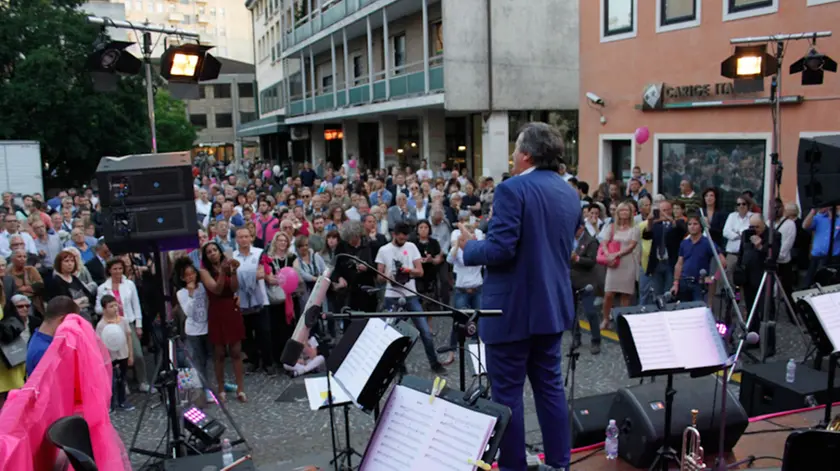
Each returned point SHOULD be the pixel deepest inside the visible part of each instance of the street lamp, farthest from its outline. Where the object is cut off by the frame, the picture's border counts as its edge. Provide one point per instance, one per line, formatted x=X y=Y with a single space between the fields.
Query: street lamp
x=185 y=65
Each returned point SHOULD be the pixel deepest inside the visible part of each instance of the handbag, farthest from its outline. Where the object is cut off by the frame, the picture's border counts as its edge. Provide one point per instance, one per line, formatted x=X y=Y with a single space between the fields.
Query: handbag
x=611 y=247
x=14 y=352
x=276 y=295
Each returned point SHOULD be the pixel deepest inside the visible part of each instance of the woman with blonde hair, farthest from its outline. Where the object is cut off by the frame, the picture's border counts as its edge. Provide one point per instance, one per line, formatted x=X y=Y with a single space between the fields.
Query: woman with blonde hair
x=622 y=266
x=82 y=272
x=282 y=320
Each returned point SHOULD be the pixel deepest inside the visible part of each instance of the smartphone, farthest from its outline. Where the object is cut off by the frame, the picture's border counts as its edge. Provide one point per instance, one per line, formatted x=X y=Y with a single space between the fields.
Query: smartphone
x=656 y=213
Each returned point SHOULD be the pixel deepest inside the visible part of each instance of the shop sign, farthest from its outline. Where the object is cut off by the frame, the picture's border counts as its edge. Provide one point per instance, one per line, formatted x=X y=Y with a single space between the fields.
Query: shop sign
x=657 y=95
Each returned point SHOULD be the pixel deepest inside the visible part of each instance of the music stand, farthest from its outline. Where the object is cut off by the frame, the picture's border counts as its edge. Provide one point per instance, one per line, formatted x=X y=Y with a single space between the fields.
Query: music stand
x=386 y=368
x=691 y=344
x=502 y=415
x=821 y=311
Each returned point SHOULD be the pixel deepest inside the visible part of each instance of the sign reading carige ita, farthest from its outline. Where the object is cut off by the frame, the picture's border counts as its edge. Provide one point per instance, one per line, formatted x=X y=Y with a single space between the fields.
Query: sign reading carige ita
x=657 y=95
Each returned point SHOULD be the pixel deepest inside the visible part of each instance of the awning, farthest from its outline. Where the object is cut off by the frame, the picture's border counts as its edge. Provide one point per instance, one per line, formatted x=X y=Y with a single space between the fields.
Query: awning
x=262 y=127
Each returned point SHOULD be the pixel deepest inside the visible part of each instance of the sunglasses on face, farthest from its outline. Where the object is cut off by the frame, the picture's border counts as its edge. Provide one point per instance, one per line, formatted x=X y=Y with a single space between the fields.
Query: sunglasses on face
x=741 y=204
x=22 y=306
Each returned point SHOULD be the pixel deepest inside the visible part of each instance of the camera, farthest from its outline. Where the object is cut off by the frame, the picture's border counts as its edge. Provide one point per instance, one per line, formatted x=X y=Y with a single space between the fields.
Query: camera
x=594 y=99
x=402 y=276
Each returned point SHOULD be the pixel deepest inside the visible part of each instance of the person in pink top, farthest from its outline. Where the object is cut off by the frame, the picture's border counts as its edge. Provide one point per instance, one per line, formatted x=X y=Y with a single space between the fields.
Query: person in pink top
x=267 y=224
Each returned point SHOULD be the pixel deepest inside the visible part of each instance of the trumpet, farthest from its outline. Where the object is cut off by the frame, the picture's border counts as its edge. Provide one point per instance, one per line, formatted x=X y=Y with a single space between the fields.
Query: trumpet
x=692 y=453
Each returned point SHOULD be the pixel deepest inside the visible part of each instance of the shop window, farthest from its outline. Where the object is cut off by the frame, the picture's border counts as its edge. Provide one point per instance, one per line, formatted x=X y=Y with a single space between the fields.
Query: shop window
x=619 y=19
x=731 y=166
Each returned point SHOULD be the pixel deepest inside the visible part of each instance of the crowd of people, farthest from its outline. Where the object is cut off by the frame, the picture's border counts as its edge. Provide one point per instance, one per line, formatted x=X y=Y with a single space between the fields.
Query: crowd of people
x=258 y=219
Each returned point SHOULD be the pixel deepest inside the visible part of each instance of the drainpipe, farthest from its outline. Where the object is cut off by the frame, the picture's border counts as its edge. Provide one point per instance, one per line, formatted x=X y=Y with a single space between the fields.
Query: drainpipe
x=489 y=9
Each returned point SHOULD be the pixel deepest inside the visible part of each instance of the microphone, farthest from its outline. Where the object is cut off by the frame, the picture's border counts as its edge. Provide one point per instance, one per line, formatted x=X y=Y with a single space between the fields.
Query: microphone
x=370 y=289
x=311 y=314
x=586 y=289
x=751 y=338
x=703 y=273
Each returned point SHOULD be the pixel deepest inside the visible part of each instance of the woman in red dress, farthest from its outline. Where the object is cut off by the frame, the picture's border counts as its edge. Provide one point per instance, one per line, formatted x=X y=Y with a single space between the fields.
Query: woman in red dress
x=225 y=325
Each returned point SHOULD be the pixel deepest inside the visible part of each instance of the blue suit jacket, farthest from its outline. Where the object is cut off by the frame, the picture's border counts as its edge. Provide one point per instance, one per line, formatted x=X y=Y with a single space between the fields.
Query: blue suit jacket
x=527 y=253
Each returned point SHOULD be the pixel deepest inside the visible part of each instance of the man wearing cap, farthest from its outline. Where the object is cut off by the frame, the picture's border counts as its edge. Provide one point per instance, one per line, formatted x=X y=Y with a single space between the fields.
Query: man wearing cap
x=527 y=254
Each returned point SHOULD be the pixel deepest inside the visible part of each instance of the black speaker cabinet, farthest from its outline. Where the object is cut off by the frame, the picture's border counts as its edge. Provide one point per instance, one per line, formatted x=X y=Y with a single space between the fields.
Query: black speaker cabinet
x=765 y=391
x=817 y=171
x=639 y=412
x=590 y=418
x=145 y=179
x=149 y=223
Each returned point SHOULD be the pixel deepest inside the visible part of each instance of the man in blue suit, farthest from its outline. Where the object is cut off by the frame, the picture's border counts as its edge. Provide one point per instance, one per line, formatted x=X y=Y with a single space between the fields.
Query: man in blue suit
x=527 y=252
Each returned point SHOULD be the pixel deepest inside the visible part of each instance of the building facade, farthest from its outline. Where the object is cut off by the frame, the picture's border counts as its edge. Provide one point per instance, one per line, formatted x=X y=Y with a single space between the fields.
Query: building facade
x=401 y=81
x=223 y=105
x=658 y=64
x=224 y=24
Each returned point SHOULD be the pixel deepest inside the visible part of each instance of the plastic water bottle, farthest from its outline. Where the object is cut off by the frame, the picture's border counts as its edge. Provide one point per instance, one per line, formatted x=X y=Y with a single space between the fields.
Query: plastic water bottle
x=790 y=375
x=227 y=453
x=611 y=443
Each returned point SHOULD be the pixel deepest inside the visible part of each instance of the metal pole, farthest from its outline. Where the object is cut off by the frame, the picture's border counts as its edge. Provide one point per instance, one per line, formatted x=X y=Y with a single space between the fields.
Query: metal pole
x=781 y=37
x=150 y=93
x=145 y=27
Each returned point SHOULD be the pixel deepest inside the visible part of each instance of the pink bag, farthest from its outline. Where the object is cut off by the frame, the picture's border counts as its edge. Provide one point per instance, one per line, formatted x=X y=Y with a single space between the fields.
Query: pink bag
x=612 y=246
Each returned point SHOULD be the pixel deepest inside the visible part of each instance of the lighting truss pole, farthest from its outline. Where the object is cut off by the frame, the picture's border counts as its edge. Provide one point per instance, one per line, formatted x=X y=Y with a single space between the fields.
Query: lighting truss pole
x=146 y=47
x=768 y=320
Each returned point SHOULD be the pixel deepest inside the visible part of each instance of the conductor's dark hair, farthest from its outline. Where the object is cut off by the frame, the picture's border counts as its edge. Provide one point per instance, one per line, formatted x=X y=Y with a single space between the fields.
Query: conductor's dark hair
x=60 y=306
x=543 y=143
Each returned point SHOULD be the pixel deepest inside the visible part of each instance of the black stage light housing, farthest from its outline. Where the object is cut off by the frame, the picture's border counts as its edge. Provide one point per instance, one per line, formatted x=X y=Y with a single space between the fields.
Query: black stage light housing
x=748 y=66
x=185 y=66
x=108 y=59
x=813 y=67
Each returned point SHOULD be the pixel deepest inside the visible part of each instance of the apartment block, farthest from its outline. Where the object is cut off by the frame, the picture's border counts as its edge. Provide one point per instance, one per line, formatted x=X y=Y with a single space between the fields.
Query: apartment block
x=402 y=81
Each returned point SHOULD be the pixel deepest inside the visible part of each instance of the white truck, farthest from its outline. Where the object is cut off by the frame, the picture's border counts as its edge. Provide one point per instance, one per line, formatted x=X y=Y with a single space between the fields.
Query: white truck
x=21 y=168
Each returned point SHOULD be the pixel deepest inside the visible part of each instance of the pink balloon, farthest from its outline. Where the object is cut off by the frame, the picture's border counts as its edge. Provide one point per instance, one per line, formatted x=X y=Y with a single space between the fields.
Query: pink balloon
x=642 y=135
x=288 y=279
x=352 y=163
x=266 y=174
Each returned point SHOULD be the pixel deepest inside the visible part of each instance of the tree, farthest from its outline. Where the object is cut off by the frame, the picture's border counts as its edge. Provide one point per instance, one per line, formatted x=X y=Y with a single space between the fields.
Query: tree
x=47 y=95
x=174 y=131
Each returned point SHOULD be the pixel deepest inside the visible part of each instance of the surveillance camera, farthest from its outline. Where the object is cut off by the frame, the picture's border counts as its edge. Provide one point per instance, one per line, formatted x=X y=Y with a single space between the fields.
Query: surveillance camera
x=595 y=99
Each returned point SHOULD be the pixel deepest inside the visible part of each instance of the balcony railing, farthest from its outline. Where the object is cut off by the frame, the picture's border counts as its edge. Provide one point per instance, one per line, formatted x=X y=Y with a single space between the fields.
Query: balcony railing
x=329 y=14
x=406 y=81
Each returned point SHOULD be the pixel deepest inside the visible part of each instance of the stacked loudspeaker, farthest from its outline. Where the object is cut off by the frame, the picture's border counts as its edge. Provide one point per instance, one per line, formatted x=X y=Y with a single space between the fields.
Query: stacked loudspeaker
x=148 y=202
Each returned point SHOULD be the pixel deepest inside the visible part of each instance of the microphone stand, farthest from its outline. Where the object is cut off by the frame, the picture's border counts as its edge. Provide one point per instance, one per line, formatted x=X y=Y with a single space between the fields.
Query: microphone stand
x=463 y=323
x=573 y=356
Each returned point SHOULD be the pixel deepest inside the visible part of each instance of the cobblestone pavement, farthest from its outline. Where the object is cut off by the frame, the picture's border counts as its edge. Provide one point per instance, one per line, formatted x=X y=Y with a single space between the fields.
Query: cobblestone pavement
x=279 y=432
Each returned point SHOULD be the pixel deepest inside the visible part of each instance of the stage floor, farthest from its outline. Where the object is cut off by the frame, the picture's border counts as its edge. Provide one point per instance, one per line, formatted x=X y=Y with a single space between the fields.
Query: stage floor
x=762 y=439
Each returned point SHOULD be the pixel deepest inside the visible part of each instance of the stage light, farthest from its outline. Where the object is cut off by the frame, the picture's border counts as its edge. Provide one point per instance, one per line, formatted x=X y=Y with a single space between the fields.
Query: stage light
x=204 y=428
x=185 y=66
x=813 y=67
x=749 y=63
x=108 y=59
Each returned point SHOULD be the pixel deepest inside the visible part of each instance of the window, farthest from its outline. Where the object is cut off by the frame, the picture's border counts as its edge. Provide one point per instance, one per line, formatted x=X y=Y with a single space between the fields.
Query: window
x=246 y=90
x=221 y=90
x=150 y=6
x=399 y=52
x=738 y=9
x=159 y=7
x=677 y=11
x=199 y=120
x=728 y=165
x=224 y=120
x=327 y=83
x=812 y=3
x=202 y=92
x=619 y=18
x=436 y=41
x=358 y=68
x=247 y=116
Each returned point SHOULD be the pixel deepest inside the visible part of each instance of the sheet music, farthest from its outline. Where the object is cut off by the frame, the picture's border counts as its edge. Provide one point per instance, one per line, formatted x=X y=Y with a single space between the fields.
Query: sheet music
x=698 y=342
x=363 y=357
x=827 y=309
x=316 y=392
x=653 y=344
x=415 y=435
x=474 y=349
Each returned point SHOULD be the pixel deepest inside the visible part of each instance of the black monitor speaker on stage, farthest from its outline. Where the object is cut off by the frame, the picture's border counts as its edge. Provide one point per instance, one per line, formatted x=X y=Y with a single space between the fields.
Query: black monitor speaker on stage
x=817 y=172
x=639 y=412
x=145 y=179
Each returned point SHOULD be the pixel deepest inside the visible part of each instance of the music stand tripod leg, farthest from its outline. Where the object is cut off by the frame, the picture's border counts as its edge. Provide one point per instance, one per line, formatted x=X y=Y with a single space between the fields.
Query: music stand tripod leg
x=793 y=314
x=666 y=454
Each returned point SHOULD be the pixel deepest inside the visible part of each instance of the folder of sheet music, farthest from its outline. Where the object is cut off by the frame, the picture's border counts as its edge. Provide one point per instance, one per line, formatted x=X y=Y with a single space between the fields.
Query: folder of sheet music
x=418 y=432
x=826 y=309
x=677 y=340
